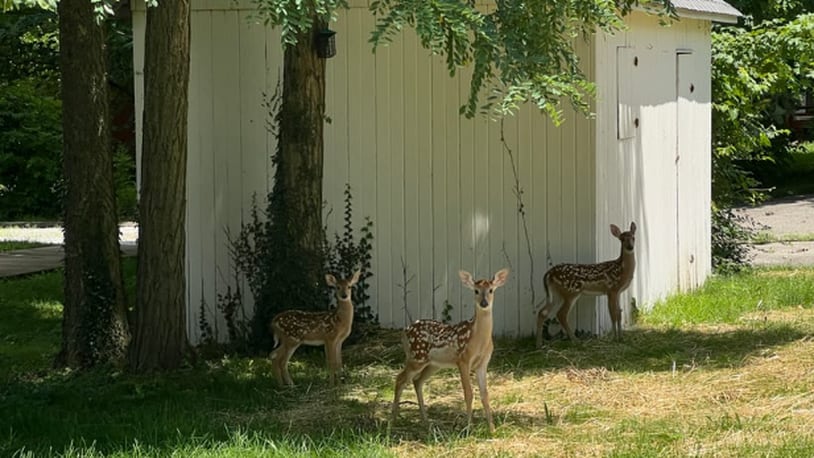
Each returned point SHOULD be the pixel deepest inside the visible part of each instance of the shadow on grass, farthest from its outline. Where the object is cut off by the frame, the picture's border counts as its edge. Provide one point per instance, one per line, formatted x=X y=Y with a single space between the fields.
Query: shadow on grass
x=214 y=404
x=202 y=407
x=647 y=350
x=210 y=407
x=29 y=330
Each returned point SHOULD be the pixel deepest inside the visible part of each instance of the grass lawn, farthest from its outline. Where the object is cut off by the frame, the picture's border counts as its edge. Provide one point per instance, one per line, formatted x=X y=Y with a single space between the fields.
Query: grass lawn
x=6 y=245
x=726 y=371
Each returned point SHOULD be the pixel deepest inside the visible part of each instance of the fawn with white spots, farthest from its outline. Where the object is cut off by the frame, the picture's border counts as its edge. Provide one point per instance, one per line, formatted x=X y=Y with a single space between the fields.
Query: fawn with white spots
x=293 y=328
x=570 y=281
x=430 y=345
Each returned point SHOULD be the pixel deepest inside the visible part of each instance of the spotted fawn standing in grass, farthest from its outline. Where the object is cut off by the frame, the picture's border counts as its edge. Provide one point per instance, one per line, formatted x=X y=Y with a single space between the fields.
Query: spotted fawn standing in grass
x=431 y=345
x=570 y=281
x=293 y=328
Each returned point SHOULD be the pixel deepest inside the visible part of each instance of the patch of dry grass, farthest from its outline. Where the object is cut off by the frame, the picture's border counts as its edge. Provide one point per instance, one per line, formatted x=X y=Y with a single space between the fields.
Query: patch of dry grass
x=563 y=401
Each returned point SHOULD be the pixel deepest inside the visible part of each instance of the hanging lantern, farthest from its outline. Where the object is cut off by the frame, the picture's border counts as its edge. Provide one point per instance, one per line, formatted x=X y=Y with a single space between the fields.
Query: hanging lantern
x=326 y=43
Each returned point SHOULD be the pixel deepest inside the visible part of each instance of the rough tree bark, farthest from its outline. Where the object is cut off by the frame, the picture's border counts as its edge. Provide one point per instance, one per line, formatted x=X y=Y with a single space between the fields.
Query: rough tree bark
x=160 y=338
x=94 y=325
x=294 y=265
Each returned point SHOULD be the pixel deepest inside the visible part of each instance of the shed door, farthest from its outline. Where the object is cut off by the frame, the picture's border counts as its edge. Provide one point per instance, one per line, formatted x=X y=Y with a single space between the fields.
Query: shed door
x=687 y=186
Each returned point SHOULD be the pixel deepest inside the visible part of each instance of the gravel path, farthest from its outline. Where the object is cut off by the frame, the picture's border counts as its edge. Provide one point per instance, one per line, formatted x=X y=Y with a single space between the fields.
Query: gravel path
x=792 y=216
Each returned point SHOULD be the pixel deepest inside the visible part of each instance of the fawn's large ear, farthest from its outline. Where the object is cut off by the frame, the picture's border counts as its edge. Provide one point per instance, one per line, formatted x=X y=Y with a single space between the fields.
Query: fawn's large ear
x=500 y=278
x=355 y=277
x=632 y=227
x=615 y=231
x=466 y=278
x=330 y=280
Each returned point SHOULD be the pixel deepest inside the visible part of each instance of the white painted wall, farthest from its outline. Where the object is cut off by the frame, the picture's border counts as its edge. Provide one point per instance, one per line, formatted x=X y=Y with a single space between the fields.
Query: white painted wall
x=438 y=187
x=658 y=174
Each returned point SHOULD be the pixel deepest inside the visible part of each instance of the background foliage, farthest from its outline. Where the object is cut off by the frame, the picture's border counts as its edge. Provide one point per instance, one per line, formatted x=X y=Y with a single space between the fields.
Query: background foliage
x=757 y=76
x=760 y=69
x=30 y=115
x=30 y=151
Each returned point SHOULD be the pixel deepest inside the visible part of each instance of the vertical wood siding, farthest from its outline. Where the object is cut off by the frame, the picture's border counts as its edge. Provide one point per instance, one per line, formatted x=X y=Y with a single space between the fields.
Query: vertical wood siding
x=660 y=175
x=439 y=188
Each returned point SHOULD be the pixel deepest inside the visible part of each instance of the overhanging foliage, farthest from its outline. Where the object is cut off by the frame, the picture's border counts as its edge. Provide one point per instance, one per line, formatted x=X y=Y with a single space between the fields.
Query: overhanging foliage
x=520 y=51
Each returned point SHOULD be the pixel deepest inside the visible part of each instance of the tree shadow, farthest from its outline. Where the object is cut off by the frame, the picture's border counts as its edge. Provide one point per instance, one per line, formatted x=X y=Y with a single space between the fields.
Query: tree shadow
x=206 y=405
x=646 y=350
x=109 y=412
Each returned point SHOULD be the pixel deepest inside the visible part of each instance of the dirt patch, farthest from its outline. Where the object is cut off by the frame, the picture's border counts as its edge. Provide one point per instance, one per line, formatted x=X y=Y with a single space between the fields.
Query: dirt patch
x=782 y=218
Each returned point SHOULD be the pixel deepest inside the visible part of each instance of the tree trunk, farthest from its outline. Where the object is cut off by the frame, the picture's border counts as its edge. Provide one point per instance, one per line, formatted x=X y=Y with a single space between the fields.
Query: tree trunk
x=160 y=338
x=294 y=265
x=94 y=324
x=300 y=164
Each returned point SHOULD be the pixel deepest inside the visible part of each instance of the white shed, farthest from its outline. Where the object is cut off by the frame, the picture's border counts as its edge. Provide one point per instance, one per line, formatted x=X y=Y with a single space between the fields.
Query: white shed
x=440 y=188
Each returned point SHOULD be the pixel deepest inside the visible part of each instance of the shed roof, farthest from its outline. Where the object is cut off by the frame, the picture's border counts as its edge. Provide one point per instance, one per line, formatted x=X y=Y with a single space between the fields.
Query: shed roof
x=715 y=10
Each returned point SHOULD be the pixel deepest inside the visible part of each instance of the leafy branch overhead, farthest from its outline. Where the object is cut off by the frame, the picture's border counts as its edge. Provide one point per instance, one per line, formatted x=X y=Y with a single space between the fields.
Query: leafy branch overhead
x=520 y=51
x=296 y=16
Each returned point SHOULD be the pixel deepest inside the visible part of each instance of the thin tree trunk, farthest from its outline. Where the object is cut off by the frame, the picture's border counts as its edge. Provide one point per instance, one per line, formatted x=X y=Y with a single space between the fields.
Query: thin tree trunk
x=94 y=325
x=160 y=338
x=294 y=264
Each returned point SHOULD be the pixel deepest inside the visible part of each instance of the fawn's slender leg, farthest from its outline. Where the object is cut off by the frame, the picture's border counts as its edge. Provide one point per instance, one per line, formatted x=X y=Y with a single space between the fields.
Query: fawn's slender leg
x=616 y=314
x=332 y=356
x=562 y=316
x=411 y=369
x=466 y=383
x=275 y=365
x=542 y=315
x=484 y=394
x=418 y=384
x=339 y=367
x=337 y=360
x=286 y=356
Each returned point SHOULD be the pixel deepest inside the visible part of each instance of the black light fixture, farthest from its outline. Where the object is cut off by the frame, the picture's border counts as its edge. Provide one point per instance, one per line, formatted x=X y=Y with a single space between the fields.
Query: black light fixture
x=326 y=43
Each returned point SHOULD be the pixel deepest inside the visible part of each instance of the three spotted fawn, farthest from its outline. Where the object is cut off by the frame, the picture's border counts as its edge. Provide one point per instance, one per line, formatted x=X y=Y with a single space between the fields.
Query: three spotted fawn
x=570 y=281
x=293 y=328
x=431 y=345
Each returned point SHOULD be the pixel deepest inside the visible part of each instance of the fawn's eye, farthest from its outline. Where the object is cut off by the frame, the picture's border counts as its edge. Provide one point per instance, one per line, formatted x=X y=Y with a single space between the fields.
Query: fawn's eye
x=477 y=292
x=492 y=290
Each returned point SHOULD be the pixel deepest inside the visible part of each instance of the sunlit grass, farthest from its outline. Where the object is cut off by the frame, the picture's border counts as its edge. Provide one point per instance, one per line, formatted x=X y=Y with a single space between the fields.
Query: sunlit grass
x=31 y=310
x=726 y=299
x=764 y=237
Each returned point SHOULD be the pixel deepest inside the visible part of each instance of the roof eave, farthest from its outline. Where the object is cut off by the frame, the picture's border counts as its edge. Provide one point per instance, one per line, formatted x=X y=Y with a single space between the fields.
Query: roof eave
x=703 y=15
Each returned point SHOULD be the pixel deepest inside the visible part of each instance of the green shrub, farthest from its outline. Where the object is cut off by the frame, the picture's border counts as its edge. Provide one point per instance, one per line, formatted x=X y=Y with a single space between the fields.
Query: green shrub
x=30 y=152
x=731 y=233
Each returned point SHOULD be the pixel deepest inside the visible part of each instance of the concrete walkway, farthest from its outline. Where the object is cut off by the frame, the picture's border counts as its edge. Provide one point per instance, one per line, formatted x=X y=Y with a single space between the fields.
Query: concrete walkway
x=23 y=262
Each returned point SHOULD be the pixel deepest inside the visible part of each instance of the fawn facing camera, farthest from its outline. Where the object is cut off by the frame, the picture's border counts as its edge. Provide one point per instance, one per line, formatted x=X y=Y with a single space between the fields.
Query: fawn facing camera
x=570 y=281
x=293 y=328
x=431 y=345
